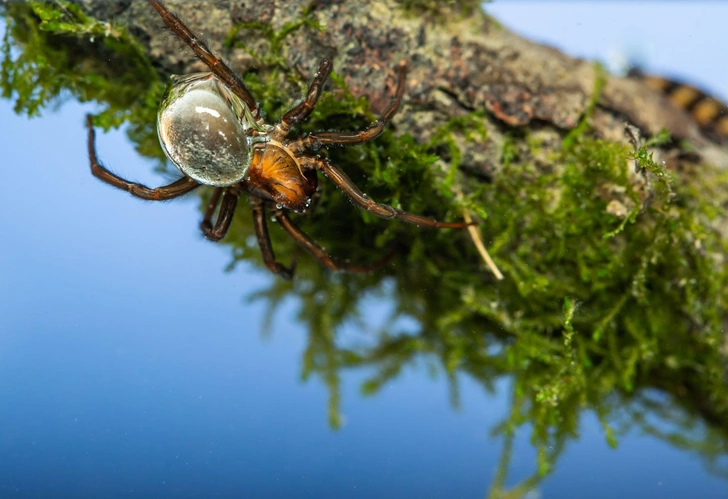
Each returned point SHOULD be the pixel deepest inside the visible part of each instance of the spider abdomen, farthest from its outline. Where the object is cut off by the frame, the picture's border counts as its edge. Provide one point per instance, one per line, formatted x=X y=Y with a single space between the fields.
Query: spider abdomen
x=275 y=175
x=201 y=127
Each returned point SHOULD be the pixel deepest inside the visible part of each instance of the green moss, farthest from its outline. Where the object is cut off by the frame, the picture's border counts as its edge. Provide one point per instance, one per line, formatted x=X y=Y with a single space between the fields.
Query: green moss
x=615 y=282
x=276 y=48
x=646 y=292
x=462 y=7
x=583 y=126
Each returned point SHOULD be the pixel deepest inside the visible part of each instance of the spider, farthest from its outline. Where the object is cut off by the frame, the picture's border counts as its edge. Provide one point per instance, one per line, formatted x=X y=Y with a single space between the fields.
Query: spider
x=210 y=127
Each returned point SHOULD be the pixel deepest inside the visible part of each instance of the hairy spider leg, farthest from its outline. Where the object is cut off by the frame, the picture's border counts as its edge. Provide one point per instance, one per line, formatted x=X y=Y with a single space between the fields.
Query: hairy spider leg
x=304 y=108
x=203 y=52
x=224 y=216
x=206 y=223
x=316 y=140
x=266 y=248
x=381 y=210
x=304 y=241
x=212 y=204
x=171 y=191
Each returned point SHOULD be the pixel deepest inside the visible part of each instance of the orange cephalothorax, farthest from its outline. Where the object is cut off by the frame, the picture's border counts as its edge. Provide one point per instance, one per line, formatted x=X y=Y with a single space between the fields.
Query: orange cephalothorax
x=275 y=175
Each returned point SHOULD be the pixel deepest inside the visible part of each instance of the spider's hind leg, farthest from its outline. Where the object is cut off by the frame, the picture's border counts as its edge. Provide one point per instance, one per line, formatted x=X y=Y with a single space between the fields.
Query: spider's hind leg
x=171 y=191
x=203 y=52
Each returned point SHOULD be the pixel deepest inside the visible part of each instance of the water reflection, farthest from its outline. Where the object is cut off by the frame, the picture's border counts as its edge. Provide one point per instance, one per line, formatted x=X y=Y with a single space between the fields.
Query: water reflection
x=630 y=329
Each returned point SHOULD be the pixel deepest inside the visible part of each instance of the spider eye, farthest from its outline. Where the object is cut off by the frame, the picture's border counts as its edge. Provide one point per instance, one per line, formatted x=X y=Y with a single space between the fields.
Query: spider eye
x=202 y=128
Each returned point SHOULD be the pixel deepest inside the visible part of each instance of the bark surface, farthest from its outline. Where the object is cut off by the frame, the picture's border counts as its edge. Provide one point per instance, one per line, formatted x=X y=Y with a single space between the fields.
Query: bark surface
x=458 y=62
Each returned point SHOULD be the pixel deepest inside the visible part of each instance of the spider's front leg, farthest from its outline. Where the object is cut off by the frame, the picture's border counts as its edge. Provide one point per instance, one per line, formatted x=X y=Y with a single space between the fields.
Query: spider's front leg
x=381 y=210
x=304 y=241
x=171 y=191
x=266 y=248
x=224 y=216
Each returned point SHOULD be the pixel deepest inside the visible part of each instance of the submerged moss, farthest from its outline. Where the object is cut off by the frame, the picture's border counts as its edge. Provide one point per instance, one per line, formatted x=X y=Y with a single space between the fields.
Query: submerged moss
x=615 y=279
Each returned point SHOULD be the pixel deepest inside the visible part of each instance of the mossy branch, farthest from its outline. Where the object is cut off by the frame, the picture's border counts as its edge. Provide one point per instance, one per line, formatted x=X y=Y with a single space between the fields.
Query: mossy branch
x=526 y=139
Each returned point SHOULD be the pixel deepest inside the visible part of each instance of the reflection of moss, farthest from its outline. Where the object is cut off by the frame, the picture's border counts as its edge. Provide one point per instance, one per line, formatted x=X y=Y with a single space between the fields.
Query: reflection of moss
x=597 y=301
x=66 y=52
x=615 y=281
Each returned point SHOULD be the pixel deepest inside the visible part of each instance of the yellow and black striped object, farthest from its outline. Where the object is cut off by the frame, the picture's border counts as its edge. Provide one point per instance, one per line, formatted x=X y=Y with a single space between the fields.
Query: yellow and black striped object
x=709 y=113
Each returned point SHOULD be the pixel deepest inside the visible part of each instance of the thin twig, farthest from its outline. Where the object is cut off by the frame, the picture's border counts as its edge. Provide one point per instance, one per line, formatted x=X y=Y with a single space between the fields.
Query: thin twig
x=478 y=239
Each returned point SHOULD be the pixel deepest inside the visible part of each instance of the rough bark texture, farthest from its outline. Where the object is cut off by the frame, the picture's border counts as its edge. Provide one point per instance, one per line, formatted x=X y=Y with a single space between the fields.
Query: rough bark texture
x=457 y=63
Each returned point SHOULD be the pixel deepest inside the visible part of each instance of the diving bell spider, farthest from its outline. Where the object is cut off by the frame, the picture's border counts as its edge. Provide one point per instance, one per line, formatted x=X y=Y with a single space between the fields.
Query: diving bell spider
x=210 y=128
